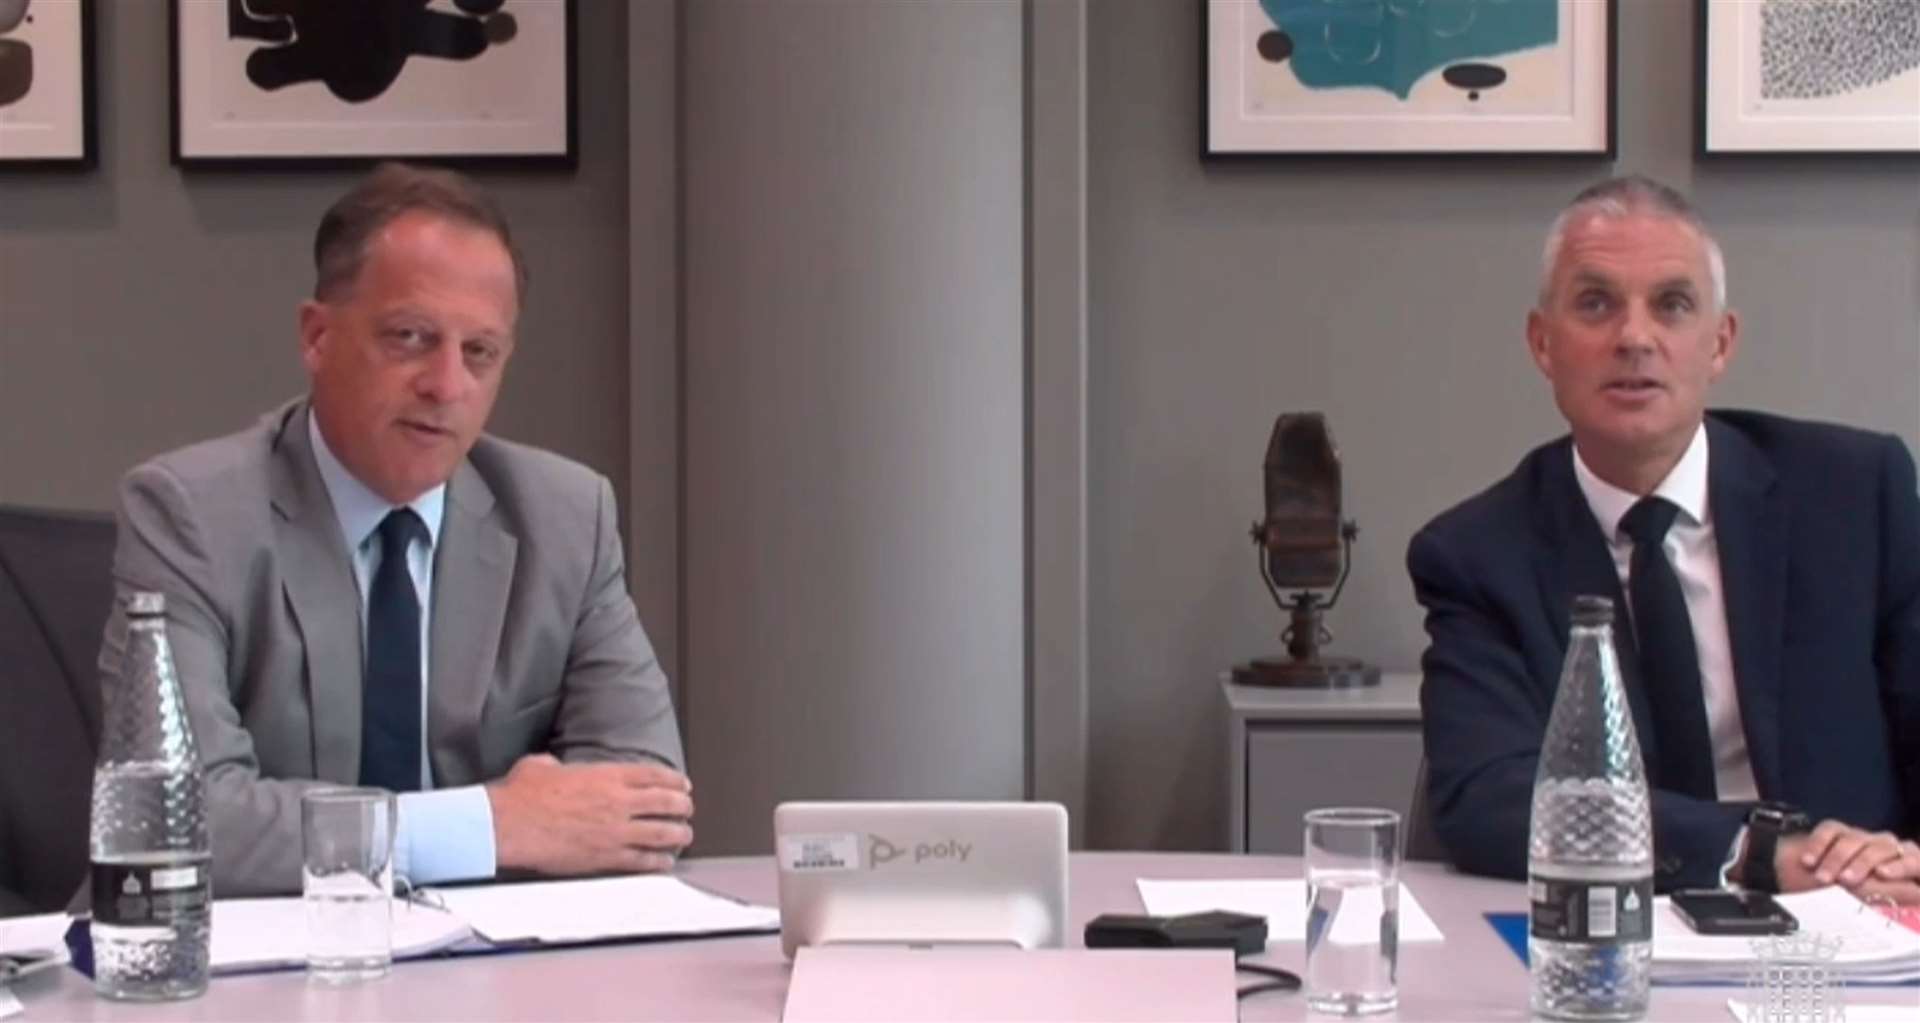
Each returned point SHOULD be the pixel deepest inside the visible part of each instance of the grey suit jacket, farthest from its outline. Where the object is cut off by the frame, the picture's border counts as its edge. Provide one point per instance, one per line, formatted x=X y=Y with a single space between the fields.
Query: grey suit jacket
x=534 y=642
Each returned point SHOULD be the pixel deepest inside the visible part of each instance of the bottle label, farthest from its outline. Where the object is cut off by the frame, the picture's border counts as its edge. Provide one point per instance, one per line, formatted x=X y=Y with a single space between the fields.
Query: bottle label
x=1591 y=912
x=151 y=894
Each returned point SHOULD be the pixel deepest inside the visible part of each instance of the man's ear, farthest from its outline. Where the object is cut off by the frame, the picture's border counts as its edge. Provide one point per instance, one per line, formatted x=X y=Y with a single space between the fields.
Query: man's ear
x=1537 y=342
x=1726 y=341
x=315 y=320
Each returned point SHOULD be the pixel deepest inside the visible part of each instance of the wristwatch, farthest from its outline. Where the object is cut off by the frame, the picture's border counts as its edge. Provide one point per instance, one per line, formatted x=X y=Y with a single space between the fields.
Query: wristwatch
x=1767 y=823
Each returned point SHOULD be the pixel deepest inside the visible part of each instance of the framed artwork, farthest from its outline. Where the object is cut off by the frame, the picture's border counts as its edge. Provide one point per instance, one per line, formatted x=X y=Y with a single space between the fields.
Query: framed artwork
x=46 y=83
x=1407 y=77
x=1809 y=76
x=347 y=82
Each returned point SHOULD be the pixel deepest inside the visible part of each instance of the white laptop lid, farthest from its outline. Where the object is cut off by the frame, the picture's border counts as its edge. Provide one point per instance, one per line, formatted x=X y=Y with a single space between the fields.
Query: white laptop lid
x=907 y=985
x=934 y=873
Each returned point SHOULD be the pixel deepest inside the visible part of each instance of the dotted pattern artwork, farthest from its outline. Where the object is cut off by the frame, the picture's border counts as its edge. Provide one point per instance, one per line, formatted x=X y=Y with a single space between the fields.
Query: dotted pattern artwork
x=1811 y=49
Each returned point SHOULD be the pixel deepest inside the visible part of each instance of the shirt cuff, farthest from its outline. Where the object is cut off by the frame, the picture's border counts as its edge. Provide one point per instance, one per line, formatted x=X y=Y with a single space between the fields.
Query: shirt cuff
x=1733 y=857
x=444 y=835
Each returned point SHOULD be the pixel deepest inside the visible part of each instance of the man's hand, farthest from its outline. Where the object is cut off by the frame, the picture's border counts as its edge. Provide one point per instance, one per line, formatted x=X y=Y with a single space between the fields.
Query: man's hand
x=1871 y=864
x=557 y=818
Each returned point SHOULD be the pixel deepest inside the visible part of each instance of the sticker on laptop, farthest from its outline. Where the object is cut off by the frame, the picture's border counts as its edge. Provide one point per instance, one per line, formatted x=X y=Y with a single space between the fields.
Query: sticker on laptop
x=811 y=853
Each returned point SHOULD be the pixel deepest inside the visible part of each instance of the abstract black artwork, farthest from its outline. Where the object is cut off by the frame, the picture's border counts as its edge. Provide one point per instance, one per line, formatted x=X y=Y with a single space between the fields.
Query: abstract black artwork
x=1810 y=76
x=46 y=83
x=356 y=80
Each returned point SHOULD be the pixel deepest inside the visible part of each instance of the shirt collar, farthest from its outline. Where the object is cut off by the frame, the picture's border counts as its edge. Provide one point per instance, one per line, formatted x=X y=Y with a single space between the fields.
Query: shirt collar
x=359 y=509
x=1685 y=485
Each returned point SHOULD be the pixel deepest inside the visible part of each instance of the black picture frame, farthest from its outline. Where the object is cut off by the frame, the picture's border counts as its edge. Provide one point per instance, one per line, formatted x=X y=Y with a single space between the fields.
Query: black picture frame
x=76 y=146
x=1734 y=119
x=1599 y=26
x=207 y=68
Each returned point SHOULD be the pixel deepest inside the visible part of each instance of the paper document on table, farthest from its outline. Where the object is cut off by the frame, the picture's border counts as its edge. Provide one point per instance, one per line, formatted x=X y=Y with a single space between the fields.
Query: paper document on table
x=1283 y=902
x=1873 y=948
x=260 y=934
x=29 y=944
x=557 y=912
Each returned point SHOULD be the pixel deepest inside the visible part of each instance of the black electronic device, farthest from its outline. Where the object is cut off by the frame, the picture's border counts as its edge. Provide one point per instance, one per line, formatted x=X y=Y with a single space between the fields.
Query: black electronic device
x=1246 y=935
x=1718 y=911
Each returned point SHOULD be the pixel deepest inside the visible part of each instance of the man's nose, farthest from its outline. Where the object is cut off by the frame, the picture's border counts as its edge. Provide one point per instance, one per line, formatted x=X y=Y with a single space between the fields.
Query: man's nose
x=1638 y=332
x=443 y=378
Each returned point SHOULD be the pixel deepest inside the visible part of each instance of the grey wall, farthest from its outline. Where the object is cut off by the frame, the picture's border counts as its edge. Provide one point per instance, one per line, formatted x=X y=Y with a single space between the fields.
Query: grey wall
x=1390 y=295
x=853 y=589
x=142 y=308
x=653 y=326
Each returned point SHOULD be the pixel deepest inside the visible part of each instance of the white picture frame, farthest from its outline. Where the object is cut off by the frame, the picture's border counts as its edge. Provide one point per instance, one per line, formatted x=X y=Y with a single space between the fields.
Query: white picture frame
x=298 y=82
x=1509 y=77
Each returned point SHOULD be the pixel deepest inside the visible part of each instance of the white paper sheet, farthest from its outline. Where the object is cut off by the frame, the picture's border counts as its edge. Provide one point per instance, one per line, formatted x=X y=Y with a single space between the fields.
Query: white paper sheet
x=1284 y=903
x=31 y=944
x=9 y=1005
x=1873 y=949
x=1869 y=936
x=253 y=934
x=43 y=933
x=615 y=907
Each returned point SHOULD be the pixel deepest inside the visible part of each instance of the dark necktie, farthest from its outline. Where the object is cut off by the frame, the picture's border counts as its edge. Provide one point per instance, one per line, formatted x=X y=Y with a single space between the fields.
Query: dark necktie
x=390 y=703
x=1669 y=663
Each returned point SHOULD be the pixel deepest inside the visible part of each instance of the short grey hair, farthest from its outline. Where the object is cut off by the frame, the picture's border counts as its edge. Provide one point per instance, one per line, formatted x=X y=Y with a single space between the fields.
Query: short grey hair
x=1621 y=197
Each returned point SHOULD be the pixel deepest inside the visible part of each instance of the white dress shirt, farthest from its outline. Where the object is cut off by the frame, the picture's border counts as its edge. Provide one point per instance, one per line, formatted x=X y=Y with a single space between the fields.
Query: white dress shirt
x=445 y=834
x=1695 y=555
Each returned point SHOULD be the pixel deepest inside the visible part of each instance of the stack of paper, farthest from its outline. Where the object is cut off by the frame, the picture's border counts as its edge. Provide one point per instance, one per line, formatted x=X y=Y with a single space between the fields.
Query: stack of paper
x=1873 y=950
x=268 y=934
x=560 y=912
x=265 y=934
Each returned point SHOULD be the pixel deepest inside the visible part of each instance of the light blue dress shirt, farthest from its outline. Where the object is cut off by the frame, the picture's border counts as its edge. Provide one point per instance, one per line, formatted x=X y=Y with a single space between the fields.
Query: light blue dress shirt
x=445 y=834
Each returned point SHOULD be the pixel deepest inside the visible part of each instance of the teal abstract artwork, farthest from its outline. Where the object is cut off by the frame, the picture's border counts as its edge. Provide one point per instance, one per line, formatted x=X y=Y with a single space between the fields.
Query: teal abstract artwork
x=1391 y=45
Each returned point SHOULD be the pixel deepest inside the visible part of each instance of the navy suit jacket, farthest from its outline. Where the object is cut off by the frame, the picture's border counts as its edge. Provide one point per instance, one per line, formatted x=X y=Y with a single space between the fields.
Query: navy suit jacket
x=1818 y=529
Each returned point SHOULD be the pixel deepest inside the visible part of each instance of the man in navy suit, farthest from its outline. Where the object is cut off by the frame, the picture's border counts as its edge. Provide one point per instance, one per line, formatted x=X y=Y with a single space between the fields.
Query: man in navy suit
x=1772 y=656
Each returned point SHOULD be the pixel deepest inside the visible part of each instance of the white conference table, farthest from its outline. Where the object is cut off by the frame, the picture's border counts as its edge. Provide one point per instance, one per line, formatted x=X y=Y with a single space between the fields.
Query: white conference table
x=1470 y=976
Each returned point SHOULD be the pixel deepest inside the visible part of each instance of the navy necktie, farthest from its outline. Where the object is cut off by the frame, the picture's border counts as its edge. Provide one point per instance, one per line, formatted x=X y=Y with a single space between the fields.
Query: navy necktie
x=390 y=701
x=1669 y=662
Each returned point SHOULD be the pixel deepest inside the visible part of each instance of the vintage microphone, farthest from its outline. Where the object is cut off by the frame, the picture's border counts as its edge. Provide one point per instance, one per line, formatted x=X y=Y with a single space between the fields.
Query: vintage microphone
x=1303 y=543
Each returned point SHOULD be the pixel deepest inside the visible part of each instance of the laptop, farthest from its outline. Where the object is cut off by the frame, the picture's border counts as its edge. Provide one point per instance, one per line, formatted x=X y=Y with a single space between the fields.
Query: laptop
x=921 y=874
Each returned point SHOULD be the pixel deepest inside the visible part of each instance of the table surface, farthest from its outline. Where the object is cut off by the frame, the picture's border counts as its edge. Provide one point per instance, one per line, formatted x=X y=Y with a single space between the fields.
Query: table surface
x=1470 y=976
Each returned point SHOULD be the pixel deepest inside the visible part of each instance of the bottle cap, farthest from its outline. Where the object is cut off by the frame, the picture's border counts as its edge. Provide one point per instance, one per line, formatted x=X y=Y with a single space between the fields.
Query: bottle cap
x=1590 y=610
x=146 y=602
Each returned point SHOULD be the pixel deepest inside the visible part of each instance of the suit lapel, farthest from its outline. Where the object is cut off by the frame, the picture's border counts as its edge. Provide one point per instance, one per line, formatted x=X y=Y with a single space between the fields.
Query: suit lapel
x=1582 y=564
x=322 y=596
x=1751 y=525
x=472 y=577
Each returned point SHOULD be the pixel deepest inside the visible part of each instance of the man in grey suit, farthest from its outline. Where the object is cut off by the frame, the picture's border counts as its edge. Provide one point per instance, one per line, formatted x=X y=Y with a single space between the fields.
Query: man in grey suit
x=363 y=588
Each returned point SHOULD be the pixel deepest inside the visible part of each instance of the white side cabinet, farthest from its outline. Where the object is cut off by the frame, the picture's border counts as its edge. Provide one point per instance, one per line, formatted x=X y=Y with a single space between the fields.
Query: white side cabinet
x=1291 y=750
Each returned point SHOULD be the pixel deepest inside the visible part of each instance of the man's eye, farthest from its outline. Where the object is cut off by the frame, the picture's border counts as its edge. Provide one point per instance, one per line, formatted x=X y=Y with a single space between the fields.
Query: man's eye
x=406 y=337
x=1592 y=301
x=481 y=354
x=1676 y=303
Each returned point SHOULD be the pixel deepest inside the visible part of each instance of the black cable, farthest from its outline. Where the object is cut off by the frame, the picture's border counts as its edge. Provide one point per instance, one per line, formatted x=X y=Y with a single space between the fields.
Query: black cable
x=1265 y=986
x=1280 y=980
